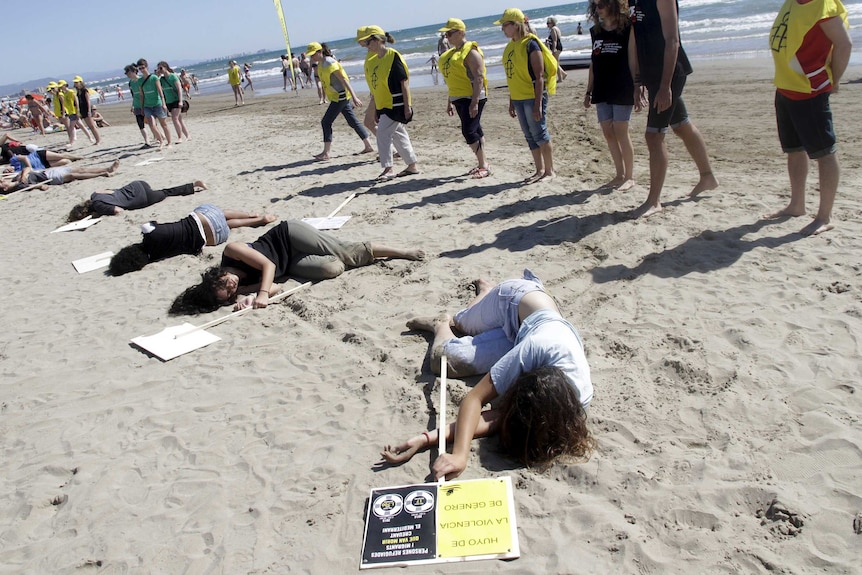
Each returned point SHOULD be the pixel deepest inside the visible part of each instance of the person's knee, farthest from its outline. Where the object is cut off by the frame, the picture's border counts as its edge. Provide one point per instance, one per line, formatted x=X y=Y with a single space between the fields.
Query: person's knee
x=331 y=269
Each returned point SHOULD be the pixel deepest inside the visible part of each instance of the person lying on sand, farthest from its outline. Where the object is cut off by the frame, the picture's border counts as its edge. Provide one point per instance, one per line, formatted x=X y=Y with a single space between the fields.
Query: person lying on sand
x=133 y=196
x=292 y=248
x=28 y=178
x=531 y=357
x=206 y=225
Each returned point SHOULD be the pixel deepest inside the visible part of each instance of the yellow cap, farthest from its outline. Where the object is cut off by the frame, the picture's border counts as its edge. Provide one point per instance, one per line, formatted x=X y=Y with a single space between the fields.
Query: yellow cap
x=62 y=83
x=78 y=79
x=313 y=48
x=366 y=32
x=51 y=86
x=453 y=24
x=510 y=15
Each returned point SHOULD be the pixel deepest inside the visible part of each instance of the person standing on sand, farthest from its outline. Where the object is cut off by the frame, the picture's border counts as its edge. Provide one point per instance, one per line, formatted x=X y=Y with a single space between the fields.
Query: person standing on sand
x=341 y=98
x=811 y=49
x=610 y=87
x=84 y=107
x=174 y=94
x=234 y=78
x=555 y=45
x=389 y=81
x=70 y=106
x=152 y=100
x=463 y=68
x=247 y=71
x=654 y=41
x=531 y=76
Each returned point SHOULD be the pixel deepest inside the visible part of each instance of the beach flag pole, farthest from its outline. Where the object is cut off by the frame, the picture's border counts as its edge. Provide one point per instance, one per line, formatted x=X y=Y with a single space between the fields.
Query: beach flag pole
x=441 y=434
x=280 y=12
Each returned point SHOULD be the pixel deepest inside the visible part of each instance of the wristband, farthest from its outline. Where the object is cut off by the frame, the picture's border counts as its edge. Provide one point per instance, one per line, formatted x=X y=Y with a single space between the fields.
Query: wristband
x=264 y=291
x=427 y=438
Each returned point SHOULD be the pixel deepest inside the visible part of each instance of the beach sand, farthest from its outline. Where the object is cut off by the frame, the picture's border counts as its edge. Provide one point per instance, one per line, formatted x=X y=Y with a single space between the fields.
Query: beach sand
x=724 y=350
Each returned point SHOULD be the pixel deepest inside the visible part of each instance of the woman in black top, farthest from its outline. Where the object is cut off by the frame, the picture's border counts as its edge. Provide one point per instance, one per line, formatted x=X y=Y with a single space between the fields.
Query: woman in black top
x=610 y=86
x=292 y=248
x=133 y=196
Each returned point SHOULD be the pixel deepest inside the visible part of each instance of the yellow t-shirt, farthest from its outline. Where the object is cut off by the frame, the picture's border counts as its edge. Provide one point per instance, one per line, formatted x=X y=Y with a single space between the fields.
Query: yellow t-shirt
x=234 y=76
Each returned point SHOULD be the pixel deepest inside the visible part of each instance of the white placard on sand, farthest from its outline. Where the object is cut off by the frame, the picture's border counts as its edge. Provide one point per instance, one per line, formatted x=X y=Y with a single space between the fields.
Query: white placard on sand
x=91 y=263
x=79 y=225
x=332 y=223
x=175 y=341
x=149 y=161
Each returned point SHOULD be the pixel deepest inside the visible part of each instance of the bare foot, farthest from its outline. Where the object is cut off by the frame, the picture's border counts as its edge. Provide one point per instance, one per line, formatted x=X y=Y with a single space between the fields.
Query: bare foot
x=534 y=178
x=365 y=151
x=200 y=184
x=427 y=323
x=547 y=176
x=816 y=227
x=400 y=453
x=787 y=212
x=269 y=218
x=415 y=255
x=707 y=182
x=114 y=167
x=646 y=210
x=626 y=185
x=482 y=286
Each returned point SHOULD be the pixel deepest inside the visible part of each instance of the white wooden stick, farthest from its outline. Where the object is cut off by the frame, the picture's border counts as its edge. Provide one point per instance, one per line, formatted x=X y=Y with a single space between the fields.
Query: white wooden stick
x=344 y=203
x=224 y=318
x=441 y=434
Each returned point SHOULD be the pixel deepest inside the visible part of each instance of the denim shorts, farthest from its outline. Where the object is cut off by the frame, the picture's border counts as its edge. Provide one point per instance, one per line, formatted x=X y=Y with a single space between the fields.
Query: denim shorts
x=216 y=218
x=615 y=112
x=805 y=125
x=154 y=112
x=535 y=132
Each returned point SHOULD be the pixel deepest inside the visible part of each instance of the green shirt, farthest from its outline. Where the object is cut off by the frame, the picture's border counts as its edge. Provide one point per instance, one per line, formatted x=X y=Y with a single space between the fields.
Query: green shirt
x=169 y=84
x=151 y=92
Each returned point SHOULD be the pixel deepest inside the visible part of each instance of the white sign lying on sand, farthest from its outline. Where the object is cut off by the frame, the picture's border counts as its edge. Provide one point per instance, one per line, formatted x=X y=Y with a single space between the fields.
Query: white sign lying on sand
x=148 y=162
x=79 y=225
x=327 y=223
x=175 y=341
x=91 y=263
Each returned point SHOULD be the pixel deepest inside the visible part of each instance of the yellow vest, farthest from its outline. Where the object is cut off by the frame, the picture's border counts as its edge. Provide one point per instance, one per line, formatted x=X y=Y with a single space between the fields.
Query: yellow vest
x=324 y=72
x=377 y=75
x=70 y=101
x=233 y=76
x=516 y=63
x=452 y=65
x=793 y=22
x=58 y=104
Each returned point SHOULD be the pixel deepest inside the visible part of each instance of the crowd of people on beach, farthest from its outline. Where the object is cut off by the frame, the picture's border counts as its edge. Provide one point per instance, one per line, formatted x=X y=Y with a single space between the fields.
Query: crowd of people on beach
x=512 y=334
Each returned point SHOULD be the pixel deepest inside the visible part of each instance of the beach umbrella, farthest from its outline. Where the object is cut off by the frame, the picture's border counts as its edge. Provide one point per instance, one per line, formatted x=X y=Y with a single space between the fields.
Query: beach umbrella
x=23 y=100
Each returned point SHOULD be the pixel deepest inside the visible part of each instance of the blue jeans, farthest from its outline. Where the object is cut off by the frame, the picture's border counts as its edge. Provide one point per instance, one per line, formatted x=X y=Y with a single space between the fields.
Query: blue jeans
x=216 y=218
x=535 y=132
x=345 y=108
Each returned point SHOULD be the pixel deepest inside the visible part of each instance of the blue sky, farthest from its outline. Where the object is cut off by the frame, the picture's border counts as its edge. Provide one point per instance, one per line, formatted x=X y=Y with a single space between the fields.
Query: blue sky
x=109 y=34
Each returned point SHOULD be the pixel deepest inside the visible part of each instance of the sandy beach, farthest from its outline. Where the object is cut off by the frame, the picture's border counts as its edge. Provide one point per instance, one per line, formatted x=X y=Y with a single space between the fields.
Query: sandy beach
x=725 y=349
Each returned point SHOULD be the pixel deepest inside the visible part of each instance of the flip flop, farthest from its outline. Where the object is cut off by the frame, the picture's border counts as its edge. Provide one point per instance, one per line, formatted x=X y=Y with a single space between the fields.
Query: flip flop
x=481 y=173
x=384 y=177
x=406 y=172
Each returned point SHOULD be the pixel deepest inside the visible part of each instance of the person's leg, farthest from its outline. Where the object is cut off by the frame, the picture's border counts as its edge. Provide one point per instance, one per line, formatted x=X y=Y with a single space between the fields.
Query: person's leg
x=524 y=112
x=183 y=190
x=401 y=141
x=627 y=154
x=381 y=251
x=658 y=160
x=175 y=118
x=93 y=129
x=354 y=123
x=329 y=116
x=81 y=173
x=614 y=147
x=830 y=174
x=163 y=121
x=154 y=130
x=240 y=219
x=696 y=147
x=386 y=128
x=183 y=126
x=370 y=119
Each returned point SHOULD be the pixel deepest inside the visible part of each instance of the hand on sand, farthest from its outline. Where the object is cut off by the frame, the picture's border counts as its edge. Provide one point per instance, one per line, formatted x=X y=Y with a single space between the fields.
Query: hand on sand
x=449 y=465
x=200 y=184
x=401 y=453
x=243 y=302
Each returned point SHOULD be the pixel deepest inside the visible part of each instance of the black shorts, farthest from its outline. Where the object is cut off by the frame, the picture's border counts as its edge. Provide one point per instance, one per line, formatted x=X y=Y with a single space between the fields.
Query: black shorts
x=805 y=125
x=673 y=116
x=471 y=128
x=173 y=105
x=43 y=156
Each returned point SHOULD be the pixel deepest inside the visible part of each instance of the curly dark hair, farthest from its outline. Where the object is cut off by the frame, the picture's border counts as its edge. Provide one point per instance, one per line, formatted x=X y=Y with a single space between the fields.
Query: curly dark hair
x=618 y=8
x=541 y=420
x=200 y=298
x=80 y=211
x=129 y=259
